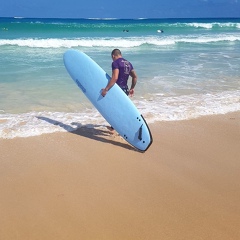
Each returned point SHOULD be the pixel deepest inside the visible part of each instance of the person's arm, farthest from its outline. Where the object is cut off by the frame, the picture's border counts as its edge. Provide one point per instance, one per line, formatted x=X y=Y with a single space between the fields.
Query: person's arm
x=112 y=81
x=134 y=81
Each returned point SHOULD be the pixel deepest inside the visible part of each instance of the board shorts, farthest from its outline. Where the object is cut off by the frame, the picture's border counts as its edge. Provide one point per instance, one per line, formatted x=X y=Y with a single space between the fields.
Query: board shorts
x=125 y=89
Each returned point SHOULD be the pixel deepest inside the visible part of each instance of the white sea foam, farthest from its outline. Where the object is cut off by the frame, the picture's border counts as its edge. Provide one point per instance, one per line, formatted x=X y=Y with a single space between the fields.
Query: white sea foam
x=157 y=107
x=210 y=39
x=102 y=18
x=214 y=24
x=121 y=42
x=201 y=25
x=37 y=123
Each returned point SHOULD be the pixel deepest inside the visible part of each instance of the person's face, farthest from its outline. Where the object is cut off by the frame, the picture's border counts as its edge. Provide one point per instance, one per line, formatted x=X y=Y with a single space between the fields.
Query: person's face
x=113 y=57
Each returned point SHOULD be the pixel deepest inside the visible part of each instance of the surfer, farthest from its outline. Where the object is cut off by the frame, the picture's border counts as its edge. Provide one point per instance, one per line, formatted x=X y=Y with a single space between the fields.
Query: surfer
x=121 y=70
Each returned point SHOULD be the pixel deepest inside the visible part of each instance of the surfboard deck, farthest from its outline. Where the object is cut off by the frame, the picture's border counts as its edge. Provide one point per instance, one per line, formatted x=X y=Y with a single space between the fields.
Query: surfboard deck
x=116 y=107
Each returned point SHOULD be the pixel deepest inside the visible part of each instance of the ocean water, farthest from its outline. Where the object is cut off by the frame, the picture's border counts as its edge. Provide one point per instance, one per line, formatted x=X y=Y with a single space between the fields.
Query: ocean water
x=191 y=69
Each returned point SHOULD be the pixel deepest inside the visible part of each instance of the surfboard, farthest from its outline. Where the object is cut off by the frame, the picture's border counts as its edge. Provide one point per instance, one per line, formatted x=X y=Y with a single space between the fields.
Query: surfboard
x=116 y=107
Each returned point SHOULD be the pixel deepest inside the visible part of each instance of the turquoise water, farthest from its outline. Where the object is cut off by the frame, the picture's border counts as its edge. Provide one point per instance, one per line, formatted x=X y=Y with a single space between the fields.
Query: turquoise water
x=189 y=70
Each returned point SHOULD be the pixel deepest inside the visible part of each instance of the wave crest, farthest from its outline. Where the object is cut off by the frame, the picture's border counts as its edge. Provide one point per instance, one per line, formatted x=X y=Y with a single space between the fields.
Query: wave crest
x=121 y=42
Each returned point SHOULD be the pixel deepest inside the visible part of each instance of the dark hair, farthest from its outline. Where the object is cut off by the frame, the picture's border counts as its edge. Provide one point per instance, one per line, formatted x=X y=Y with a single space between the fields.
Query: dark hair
x=116 y=52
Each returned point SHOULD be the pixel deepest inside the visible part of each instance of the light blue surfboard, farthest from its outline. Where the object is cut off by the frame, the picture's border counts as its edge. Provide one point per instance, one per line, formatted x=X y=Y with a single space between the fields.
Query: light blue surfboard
x=115 y=107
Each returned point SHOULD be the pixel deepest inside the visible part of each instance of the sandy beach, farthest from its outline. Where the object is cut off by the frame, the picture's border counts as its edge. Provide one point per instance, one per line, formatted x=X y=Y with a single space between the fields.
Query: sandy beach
x=92 y=185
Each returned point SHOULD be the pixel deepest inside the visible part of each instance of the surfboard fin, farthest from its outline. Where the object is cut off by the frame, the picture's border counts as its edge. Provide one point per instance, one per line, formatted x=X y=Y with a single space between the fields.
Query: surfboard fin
x=140 y=133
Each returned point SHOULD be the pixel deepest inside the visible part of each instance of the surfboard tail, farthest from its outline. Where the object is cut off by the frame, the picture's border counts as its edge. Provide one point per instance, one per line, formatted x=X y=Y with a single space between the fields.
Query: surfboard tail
x=150 y=135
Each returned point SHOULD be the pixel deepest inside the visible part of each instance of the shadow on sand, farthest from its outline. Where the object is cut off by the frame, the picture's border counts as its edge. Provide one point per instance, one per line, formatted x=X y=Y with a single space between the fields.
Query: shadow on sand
x=92 y=132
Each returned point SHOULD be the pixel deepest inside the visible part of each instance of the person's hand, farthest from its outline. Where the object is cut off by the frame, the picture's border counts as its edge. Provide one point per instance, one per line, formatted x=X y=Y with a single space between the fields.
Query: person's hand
x=131 y=92
x=104 y=92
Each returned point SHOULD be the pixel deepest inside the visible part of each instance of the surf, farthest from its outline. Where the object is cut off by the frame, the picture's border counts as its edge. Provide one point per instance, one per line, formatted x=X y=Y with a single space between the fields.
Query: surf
x=126 y=42
x=155 y=107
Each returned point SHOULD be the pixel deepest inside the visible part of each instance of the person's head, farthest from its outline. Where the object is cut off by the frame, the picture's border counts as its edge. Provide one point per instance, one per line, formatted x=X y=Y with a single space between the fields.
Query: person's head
x=116 y=53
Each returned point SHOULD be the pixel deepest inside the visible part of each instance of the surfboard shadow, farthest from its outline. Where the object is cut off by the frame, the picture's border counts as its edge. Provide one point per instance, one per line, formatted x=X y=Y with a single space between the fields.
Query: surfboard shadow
x=88 y=131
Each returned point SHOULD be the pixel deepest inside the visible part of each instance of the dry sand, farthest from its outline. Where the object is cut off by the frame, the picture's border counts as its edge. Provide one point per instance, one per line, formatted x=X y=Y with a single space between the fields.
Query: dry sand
x=90 y=185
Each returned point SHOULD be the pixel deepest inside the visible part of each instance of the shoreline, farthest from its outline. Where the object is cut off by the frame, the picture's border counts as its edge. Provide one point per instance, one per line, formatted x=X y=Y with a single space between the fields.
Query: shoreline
x=89 y=184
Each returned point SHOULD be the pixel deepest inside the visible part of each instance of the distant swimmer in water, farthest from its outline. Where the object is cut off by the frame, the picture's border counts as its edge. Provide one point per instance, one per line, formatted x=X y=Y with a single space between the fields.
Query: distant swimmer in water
x=125 y=30
x=160 y=31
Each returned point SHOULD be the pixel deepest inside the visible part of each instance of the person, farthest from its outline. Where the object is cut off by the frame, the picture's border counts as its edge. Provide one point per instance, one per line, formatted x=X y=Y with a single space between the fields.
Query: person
x=121 y=70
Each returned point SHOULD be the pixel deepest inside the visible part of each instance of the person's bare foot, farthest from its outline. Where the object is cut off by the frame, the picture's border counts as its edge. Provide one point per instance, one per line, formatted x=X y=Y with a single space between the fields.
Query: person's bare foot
x=110 y=128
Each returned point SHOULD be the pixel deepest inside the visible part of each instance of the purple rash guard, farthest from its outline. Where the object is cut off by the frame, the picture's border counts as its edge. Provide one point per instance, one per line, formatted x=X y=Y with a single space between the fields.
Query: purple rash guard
x=125 y=68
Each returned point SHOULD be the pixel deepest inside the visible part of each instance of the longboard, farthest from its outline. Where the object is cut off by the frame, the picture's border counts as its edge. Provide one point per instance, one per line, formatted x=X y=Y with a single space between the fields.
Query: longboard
x=116 y=107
